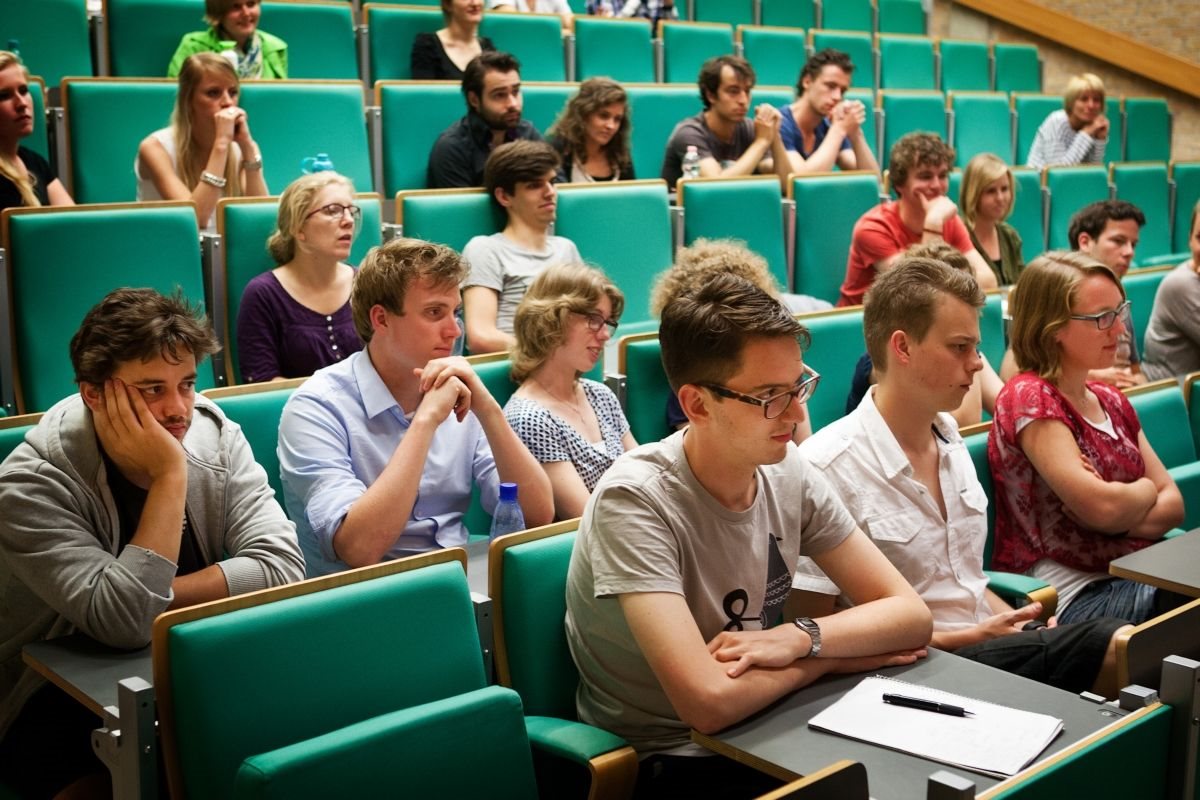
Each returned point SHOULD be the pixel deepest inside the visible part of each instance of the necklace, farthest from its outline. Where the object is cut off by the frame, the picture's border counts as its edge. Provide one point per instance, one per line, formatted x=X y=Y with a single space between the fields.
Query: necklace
x=572 y=404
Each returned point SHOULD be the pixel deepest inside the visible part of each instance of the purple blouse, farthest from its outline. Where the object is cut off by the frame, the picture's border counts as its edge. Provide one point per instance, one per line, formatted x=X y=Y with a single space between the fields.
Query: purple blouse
x=277 y=337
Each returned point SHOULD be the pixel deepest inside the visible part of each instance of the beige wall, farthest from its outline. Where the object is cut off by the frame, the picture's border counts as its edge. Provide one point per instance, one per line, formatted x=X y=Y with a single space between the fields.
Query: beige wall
x=1173 y=27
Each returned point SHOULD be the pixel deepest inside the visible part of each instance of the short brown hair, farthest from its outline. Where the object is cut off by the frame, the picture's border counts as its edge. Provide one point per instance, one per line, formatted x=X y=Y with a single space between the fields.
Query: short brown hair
x=819 y=61
x=905 y=298
x=705 y=329
x=704 y=258
x=138 y=324
x=541 y=319
x=917 y=149
x=939 y=250
x=1040 y=304
x=511 y=163
x=392 y=267
x=215 y=10
x=1093 y=218
x=709 y=79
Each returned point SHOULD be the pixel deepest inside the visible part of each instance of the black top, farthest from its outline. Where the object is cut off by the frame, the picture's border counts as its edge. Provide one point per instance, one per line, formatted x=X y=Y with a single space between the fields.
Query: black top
x=42 y=174
x=430 y=62
x=457 y=158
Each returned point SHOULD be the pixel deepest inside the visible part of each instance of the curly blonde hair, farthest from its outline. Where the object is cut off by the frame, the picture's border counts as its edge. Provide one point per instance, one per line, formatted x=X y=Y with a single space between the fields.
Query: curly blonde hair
x=703 y=259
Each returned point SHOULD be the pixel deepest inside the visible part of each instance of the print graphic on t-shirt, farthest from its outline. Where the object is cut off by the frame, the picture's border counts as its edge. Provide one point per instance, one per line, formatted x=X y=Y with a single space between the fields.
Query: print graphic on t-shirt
x=779 y=582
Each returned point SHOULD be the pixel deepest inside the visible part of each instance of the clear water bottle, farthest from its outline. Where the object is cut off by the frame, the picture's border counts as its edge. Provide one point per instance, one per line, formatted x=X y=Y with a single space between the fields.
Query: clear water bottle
x=508 y=517
x=691 y=162
x=318 y=163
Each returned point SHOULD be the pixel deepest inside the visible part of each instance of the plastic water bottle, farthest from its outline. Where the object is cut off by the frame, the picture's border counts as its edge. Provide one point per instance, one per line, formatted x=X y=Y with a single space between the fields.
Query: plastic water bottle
x=508 y=517
x=691 y=162
x=318 y=163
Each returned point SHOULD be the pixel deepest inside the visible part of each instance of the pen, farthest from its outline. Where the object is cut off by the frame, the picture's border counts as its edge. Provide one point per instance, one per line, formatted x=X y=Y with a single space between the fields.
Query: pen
x=925 y=705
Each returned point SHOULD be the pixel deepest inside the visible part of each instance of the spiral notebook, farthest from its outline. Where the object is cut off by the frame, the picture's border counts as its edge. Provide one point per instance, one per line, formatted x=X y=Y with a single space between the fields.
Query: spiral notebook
x=995 y=740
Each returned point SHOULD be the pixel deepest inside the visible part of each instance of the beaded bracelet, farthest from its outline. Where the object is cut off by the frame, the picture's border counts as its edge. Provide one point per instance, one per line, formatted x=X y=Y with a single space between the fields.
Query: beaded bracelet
x=213 y=180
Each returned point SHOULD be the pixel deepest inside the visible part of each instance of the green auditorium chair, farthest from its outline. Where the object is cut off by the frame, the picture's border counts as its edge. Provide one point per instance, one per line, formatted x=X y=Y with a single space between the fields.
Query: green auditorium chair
x=1147 y=187
x=244 y=223
x=870 y=126
x=320 y=36
x=13 y=430
x=902 y=16
x=535 y=39
x=544 y=102
x=1140 y=651
x=906 y=111
x=789 y=13
x=621 y=49
x=101 y=146
x=527 y=578
x=143 y=35
x=991 y=328
x=687 y=45
x=837 y=344
x=827 y=206
x=624 y=228
x=405 y=146
x=1031 y=111
x=1018 y=68
x=954 y=185
x=391 y=30
x=966 y=66
x=982 y=124
x=1147 y=129
x=1192 y=397
x=51 y=37
x=257 y=407
x=857 y=45
x=38 y=141
x=906 y=62
x=1027 y=216
x=639 y=362
x=732 y=12
x=707 y=202
x=493 y=370
x=62 y=261
x=1114 y=109
x=773 y=95
x=776 y=53
x=1163 y=413
x=848 y=15
x=275 y=107
x=656 y=109
x=1070 y=189
x=447 y=216
x=1186 y=177
x=1141 y=285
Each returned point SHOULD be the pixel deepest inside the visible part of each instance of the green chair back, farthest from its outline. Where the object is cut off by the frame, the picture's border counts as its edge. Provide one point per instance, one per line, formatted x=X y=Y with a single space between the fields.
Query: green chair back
x=991 y=329
x=1115 y=150
x=423 y=744
x=101 y=145
x=38 y=141
x=1031 y=111
x=390 y=34
x=535 y=39
x=776 y=53
x=1186 y=175
x=257 y=409
x=143 y=35
x=687 y=45
x=1193 y=404
x=837 y=344
x=982 y=124
x=827 y=207
x=908 y=111
x=1148 y=129
x=1071 y=188
x=773 y=95
x=789 y=13
x=1163 y=414
x=52 y=36
x=906 y=62
x=406 y=146
x=954 y=188
x=1141 y=285
x=621 y=49
x=857 y=45
x=320 y=38
x=544 y=102
x=1146 y=186
x=848 y=15
x=1018 y=68
x=759 y=221
x=646 y=387
x=89 y=248
x=902 y=16
x=870 y=127
x=1026 y=214
x=732 y=12
x=966 y=66
x=449 y=217
x=656 y=109
x=976 y=443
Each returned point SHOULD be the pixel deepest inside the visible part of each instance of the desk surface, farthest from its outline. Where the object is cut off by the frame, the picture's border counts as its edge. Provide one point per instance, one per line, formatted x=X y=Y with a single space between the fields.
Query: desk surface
x=1172 y=564
x=86 y=669
x=778 y=740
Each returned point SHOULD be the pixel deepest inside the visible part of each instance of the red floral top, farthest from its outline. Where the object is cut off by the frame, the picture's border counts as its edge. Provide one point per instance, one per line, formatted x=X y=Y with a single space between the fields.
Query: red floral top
x=1031 y=523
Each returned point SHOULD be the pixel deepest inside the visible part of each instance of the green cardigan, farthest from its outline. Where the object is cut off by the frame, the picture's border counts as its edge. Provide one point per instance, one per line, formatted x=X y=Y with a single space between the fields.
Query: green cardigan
x=274 y=51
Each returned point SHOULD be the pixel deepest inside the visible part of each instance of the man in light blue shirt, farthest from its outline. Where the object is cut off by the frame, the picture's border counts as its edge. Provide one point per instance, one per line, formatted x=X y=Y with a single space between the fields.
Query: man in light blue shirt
x=378 y=453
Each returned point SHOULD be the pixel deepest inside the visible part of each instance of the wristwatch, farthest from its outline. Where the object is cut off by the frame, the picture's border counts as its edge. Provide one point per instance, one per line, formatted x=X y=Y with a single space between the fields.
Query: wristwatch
x=810 y=627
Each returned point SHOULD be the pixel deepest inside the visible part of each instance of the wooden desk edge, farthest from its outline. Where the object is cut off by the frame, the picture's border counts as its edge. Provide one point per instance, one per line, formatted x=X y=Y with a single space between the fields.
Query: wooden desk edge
x=81 y=697
x=742 y=757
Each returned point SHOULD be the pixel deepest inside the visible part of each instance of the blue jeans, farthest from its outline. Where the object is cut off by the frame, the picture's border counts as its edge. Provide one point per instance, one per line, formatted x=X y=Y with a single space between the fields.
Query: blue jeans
x=1115 y=597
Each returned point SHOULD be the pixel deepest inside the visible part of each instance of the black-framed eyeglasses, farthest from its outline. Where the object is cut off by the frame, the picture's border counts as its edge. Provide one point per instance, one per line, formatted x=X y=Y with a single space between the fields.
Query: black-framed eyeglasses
x=776 y=404
x=335 y=211
x=596 y=321
x=1105 y=319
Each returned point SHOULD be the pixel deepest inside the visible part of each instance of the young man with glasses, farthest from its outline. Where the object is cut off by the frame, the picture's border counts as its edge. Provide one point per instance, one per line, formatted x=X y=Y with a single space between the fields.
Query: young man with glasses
x=379 y=453
x=686 y=551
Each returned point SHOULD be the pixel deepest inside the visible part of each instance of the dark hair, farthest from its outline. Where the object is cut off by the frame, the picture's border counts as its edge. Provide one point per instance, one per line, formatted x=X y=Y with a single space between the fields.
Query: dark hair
x=138 y=324
x=389 y=269
x=819 y=61
x=1094 y=217
x=511 y=163
x=709 y=80
x=571 y=125
x=915 y=149
x=480 y=65
x=705 y=329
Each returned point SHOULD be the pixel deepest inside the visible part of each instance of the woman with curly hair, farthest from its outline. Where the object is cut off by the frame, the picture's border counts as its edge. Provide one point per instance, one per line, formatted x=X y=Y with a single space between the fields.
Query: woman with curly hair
x=592 y=134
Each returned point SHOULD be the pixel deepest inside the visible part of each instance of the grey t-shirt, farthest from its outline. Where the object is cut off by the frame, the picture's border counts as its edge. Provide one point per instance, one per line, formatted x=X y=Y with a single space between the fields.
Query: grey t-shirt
x=694 y=131
x=498 y=263
x=1173 y=335
x=651 y=527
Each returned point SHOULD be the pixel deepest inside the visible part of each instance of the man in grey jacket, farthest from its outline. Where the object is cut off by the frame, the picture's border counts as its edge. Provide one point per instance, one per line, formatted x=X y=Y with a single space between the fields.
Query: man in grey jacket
x=130 y=498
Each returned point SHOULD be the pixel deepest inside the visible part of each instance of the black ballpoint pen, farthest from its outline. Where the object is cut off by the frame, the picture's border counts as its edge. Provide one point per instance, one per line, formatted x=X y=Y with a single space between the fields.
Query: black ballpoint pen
x=925 y=705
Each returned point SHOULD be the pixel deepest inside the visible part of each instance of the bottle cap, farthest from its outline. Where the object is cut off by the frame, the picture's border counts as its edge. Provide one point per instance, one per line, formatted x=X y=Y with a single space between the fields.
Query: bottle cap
x=508 y=492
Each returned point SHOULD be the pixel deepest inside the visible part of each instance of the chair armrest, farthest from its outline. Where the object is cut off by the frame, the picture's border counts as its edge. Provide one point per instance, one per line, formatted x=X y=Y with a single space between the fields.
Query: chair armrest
x=1171 y=534
x=1009 y=585
x=575 y=741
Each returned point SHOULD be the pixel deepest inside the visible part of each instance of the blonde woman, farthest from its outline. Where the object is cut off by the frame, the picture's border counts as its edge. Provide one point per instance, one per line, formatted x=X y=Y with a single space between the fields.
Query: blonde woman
x=296 y=319
x=573 y=426
x=986 y=200
x=207 y=152
x=26 y=179
x=233 y=32
x=1077 y=133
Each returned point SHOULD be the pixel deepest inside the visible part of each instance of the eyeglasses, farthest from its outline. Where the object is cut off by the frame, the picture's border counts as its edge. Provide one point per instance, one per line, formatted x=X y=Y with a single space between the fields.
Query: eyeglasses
x=775 y=405
x=595 y=322
x=335 y=211
x=1105 y=319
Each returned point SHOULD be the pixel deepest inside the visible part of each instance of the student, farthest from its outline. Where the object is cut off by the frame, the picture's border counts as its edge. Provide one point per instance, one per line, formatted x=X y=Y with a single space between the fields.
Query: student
x=379 y=453
x=1173 y=335
x=917 y=496
x=491 y=84
x=821 y=129
x=234 y=34
x=130 y=498
x=687 y=547
x=985 y=201
x=26 y=179
x=919 y=170
x=729 y=144
x=1078 y=132
x=443 y=54
x=591 y=134
x=519 y=178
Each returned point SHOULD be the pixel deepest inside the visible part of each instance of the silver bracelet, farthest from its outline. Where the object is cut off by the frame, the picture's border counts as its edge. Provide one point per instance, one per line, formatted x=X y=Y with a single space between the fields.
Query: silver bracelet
x=252 y=164
x=213 y=180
